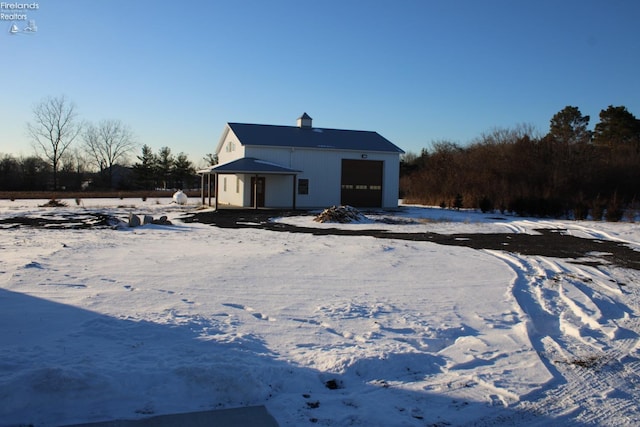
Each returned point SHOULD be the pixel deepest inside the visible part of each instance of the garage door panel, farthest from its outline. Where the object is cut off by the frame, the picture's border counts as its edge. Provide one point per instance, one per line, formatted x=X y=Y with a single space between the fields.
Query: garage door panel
x=361 y=183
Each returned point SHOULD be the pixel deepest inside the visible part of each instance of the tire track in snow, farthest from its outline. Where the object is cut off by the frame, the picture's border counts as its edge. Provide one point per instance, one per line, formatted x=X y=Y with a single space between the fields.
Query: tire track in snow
x=584 y=331
x=601 y=235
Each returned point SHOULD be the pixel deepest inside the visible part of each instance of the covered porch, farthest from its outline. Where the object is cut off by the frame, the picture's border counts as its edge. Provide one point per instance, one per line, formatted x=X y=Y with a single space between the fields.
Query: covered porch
x=257 y=169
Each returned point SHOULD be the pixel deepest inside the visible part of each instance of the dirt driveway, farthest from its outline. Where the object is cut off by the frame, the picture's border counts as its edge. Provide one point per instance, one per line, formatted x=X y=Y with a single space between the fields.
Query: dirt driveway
x=551 y=243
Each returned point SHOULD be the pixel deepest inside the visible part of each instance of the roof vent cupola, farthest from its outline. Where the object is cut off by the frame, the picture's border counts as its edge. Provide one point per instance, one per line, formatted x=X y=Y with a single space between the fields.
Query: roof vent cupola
x=304 y=121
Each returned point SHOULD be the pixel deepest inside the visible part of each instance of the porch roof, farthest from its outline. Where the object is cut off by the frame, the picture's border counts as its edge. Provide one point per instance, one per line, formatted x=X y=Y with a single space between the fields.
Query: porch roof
x=249 y=165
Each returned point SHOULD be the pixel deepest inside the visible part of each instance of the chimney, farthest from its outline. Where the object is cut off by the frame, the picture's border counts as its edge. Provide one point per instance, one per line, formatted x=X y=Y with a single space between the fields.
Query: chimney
x=304 y=121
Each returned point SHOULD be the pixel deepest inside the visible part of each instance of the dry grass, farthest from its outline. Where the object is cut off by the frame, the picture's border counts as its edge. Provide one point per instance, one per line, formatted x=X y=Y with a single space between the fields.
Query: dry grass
x=56 y=195
x=587 y=362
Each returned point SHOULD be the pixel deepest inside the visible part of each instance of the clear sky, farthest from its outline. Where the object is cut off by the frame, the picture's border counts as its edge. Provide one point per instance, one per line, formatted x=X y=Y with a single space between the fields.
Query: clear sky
x=415 y=71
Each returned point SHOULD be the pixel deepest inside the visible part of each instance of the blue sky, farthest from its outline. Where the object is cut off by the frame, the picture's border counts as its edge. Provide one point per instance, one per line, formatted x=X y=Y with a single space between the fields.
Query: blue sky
x=415 y=71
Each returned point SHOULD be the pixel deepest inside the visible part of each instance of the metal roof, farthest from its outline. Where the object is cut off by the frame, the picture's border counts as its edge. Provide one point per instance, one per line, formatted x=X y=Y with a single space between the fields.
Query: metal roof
x=293 y=136
x=250 y=165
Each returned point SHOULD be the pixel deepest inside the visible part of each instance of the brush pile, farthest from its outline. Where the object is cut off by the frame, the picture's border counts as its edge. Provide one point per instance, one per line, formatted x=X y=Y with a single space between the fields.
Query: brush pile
x=341 y=214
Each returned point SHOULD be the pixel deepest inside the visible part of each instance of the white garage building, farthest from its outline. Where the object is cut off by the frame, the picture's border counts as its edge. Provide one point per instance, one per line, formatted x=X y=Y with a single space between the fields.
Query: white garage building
x=302 y=167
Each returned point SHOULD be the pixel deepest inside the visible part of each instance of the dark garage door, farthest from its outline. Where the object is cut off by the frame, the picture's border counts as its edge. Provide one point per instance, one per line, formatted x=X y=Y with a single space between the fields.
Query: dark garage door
x=361 y=183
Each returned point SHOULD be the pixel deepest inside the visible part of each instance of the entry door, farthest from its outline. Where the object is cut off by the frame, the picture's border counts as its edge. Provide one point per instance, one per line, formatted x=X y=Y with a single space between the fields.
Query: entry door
x=257 y=191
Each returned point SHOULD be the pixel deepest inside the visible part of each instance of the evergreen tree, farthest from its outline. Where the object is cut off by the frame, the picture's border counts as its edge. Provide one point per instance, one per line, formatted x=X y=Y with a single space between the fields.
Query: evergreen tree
x=566 y=152
x=144 y=169
x=10 y=176
x=34 y=173
x=164 y=167
x=569 y=126
x=617 y=128
x=183 y=171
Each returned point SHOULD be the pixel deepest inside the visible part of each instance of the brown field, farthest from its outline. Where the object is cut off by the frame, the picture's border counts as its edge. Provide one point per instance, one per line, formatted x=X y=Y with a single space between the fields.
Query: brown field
x=13 y=195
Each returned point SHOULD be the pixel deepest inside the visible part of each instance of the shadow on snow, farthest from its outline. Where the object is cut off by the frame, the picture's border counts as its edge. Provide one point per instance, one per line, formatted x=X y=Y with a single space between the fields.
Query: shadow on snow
x=97 y=368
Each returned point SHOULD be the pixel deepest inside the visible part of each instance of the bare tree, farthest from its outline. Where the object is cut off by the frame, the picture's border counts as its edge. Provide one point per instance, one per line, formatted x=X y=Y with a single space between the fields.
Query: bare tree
x=107 y=143
x=210 y=159
x=53 y=129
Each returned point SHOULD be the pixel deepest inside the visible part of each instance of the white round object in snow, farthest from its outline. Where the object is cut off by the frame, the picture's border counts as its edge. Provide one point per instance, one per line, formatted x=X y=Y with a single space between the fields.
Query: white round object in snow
x=180 y=198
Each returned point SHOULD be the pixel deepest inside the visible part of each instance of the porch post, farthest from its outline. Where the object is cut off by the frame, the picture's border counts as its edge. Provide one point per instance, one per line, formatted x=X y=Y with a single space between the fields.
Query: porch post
x=209 y=189
x=294 y=191
x=255 y=192
x=202 y=188
x=215 y=189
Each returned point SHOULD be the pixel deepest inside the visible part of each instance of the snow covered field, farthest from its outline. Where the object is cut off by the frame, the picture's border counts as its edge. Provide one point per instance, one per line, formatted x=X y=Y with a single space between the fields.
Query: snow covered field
x=114 y=322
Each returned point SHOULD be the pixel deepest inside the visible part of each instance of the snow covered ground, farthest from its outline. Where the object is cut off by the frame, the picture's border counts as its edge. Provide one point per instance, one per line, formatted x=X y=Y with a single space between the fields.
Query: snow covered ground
x=110 y=323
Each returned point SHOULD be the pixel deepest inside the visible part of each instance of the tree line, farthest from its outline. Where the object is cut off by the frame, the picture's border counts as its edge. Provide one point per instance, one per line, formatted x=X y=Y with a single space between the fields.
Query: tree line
x=153 y=171
x=164 y=170
x=570 y=171
x=70 y=154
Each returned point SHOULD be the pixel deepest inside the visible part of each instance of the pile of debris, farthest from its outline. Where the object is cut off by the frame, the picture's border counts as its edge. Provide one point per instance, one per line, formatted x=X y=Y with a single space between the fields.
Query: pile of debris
x=53 y=203
x=136 y=221
x=341 y=214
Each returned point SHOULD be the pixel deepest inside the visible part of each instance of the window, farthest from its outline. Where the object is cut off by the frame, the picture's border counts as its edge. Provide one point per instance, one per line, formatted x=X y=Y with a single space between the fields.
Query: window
x=224 y=184
x=237 y=185
x=303 y=186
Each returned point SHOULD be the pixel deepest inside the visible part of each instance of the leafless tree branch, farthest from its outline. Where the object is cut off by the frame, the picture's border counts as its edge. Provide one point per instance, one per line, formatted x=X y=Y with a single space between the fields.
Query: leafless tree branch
x=108 y=142
x=53 y=129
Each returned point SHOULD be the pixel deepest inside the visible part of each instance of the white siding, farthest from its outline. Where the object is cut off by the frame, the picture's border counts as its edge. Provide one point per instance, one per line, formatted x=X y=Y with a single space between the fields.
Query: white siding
x=391 y=177
x=322 y=167
x=231 y=148
x=279 y=191
x=230 y=190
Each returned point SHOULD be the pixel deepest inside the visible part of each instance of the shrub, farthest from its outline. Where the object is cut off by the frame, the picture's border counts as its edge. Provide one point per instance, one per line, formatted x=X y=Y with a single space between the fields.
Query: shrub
x=614 y=211
x=581 y=211
x=597 y=210
x=536 y=206
x=457 y=202
x=630 y=215
x=485 y=204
